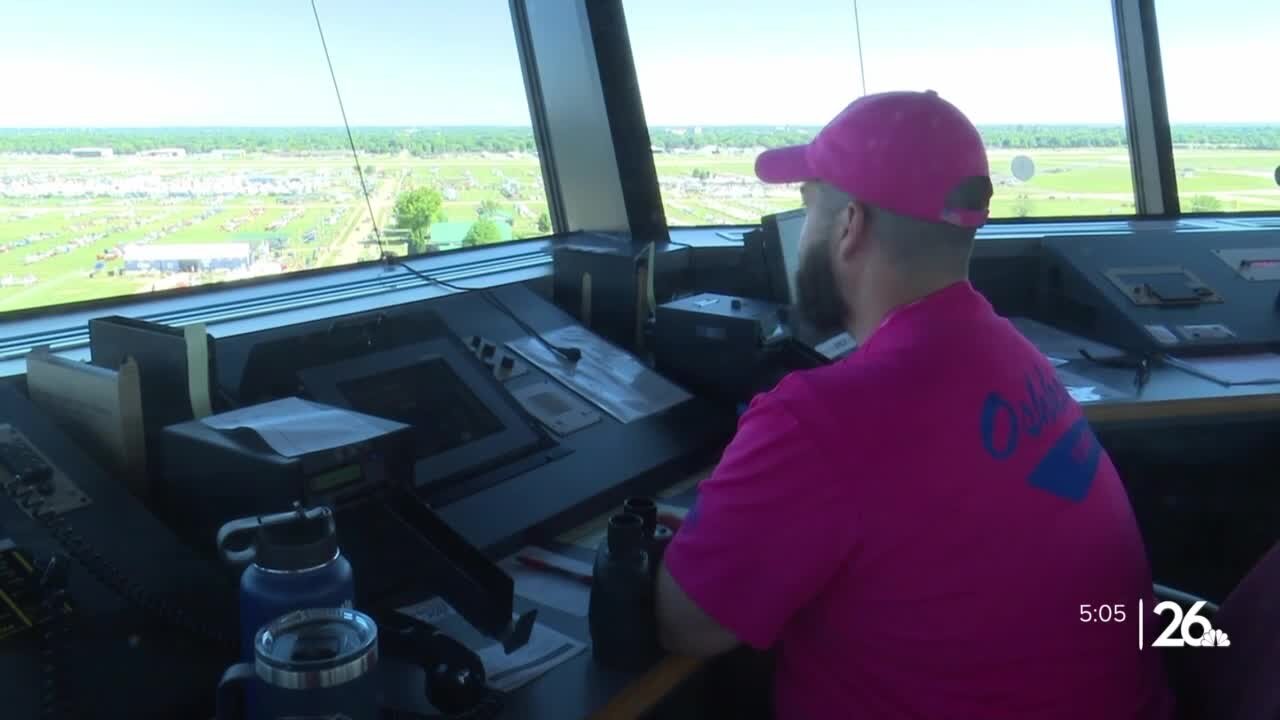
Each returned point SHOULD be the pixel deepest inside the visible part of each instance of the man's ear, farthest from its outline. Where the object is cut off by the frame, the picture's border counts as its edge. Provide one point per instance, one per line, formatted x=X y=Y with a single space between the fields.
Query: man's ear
x=854 y=232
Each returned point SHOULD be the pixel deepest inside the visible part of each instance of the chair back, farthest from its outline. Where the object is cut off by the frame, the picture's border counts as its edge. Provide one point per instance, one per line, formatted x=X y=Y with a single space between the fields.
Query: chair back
x=1241 y=680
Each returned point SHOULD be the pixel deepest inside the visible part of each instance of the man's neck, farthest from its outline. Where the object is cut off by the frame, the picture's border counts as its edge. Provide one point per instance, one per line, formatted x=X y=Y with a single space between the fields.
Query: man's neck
x=890 y=294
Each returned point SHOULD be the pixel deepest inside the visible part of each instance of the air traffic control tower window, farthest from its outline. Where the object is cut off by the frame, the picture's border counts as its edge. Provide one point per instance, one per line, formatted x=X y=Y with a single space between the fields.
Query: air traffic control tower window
x=1224 y=114
x=723 y=79
x=152 y=146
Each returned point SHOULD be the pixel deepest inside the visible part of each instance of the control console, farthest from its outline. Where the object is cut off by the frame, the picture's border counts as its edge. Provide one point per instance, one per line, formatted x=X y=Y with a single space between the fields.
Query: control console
x=1182 y=293
x=25 y=470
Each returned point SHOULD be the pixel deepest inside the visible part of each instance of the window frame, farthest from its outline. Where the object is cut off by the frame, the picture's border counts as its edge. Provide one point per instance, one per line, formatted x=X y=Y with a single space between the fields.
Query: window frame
x=1147 y=128
x=585 y=132
x=64 y=327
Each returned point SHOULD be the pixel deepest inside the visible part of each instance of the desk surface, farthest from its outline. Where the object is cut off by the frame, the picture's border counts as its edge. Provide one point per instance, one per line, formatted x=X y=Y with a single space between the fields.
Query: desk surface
x=580 y=688
x=1172 y=395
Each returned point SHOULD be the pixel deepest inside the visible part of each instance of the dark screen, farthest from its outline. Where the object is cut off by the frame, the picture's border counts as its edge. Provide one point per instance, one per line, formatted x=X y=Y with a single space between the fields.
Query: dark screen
x=443 y=411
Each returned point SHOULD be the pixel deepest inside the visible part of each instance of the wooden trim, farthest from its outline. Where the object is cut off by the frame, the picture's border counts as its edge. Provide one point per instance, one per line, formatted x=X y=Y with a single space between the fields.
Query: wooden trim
x=1206 y=407
x=642 y=694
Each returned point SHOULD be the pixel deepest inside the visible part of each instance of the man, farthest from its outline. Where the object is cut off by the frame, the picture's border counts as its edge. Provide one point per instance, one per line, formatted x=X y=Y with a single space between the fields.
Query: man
x=928 y=528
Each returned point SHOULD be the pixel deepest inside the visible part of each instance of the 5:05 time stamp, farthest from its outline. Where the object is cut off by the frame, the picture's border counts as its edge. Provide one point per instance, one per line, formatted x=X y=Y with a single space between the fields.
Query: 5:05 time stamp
x=1184 y=627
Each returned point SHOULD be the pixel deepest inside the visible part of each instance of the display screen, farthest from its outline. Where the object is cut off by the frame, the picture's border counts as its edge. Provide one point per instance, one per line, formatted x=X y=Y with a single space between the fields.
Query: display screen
x=334 y=479
x=429 y=396
x=789 y=230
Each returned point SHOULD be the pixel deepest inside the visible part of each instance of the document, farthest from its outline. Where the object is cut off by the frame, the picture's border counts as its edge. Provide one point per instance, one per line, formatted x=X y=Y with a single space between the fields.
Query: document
x=546 y=648
x=1084 y=394
x=608 y=377
x=1084 y=389
x=430 y=611
x=294 y=427
x=548 y=586
x=1256 y=369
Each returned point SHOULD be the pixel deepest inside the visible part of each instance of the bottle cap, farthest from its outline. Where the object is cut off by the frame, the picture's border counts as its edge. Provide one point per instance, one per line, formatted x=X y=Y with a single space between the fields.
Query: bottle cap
x=646 y=508
x=297 y=540
x=316 y=648
x=626 y=533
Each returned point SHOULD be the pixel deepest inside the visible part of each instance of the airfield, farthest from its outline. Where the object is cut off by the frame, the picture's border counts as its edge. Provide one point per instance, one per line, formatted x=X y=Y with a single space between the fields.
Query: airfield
x=68 y=225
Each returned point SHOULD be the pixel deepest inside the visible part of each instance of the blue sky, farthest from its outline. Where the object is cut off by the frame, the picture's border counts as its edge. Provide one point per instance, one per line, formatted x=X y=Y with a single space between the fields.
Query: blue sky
x=142 y=63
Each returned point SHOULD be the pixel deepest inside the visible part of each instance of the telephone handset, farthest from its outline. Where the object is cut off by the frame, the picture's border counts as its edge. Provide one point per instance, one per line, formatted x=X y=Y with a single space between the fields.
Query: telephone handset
x=103 y=600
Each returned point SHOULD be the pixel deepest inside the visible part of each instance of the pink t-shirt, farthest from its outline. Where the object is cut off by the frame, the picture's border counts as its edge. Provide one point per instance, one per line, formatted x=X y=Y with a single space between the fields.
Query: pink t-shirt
x=915 y=528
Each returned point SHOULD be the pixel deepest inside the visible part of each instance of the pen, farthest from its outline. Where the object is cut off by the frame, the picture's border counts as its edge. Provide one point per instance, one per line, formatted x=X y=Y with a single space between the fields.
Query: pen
x=543 y=566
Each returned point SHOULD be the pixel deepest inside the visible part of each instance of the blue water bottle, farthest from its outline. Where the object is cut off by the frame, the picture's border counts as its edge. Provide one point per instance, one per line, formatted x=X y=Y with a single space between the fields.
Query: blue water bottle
x=293 y=563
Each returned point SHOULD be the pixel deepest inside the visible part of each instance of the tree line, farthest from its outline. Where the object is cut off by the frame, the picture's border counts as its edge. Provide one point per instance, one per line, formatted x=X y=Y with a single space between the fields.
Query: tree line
x=425 y=142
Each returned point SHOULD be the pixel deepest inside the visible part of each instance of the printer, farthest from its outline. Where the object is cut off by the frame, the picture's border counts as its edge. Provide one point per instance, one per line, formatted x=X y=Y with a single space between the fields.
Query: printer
x=264 y=458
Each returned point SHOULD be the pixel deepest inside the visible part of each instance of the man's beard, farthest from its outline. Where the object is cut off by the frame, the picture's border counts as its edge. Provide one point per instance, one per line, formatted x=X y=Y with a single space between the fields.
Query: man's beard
x=820 y=303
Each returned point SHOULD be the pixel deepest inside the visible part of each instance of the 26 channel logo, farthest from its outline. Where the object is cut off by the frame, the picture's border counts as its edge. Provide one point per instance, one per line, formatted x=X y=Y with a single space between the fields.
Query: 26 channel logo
x=1183 y=629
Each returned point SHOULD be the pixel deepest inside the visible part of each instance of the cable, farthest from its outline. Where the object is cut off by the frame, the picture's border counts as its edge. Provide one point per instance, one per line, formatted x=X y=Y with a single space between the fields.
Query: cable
x=857 y=28
x=568 y=353
x=373 y=220
x=571 y=354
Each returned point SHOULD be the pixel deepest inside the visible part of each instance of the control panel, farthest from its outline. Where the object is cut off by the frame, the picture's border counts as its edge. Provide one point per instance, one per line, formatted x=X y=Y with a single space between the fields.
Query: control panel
x=22 y=604
x=561 y=411
x=505 y=364
x=35 y=482
x=558 y=409
x=1181 y=293
x=97 y=597
x=716 y=344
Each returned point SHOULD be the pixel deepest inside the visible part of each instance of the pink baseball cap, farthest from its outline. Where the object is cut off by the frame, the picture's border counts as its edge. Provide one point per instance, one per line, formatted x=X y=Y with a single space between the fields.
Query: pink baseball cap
x=911 y=153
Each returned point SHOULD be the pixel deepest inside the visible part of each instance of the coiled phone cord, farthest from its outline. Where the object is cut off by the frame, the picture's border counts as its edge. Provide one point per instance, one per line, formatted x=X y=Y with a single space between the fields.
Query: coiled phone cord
x=108 y=573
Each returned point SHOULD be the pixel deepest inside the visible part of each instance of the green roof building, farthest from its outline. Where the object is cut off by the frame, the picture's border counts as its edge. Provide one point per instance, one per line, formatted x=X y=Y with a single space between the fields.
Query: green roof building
x=449 y=235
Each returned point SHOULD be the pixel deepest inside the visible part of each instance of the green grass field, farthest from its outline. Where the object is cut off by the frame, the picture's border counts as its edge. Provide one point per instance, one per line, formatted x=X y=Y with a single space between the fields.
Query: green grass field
x=62 y=245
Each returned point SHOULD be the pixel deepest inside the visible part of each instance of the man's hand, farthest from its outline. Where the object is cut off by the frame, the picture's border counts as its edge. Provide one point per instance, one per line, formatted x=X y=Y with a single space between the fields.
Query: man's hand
x=683 y=627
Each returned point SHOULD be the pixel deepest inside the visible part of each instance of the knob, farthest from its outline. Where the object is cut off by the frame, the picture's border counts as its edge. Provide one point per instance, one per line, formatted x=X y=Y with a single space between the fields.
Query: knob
x=736 y=304
x=508 y=363
x=488 y=351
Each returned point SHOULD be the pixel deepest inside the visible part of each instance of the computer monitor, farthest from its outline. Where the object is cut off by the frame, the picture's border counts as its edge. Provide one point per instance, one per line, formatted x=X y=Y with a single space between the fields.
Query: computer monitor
x=264 y=365
x=777 y=247
x=780 y=242
x=464 y=422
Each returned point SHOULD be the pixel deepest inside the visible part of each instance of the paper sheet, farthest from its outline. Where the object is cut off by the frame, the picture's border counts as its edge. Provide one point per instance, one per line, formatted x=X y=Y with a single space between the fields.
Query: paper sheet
x=550 y=588
x=1083 y=394
x=294 y=427
x=546 y=648
x=429 y=611
x=1257 y=369
x=609 y=378
x=1087 y=389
